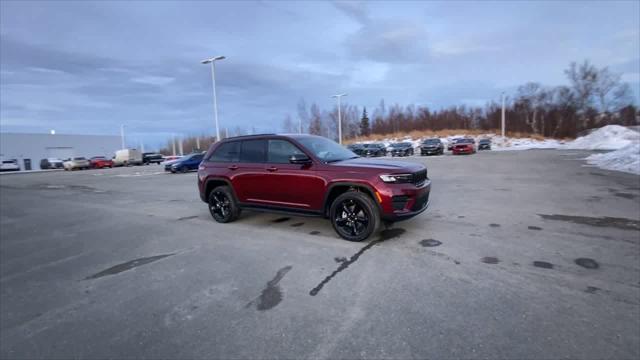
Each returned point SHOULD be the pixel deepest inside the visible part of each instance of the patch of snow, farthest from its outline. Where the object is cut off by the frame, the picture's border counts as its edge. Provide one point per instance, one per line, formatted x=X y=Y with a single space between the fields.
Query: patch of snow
x=626 y=159
x=610 y=137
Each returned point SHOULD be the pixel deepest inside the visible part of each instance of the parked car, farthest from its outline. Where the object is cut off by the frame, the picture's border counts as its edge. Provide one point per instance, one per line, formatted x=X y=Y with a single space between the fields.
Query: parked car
x=310 y=175
x=452 y=142
x=401 y=149
x=99 y=162
x=126 y=157
x=187 y=163
x=152 y=158
x=374 y=149
x=432 y=147
x=76 y=163
x=9 y=165
x=357 y=149
x=51 y=163
x=464 y=146
x=484 y=144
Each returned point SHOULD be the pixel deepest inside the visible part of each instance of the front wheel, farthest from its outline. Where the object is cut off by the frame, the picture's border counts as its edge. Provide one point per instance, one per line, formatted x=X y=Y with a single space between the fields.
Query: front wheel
x=354 y=216
x=222 y=205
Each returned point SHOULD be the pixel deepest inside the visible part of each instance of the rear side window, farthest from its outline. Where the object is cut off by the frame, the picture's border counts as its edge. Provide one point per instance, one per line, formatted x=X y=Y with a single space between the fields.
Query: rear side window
x=253 y=151
x=227 y=152
x=281 y=150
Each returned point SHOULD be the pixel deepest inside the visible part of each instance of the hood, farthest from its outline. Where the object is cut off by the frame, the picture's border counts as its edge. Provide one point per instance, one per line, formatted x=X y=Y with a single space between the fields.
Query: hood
x=388 y=165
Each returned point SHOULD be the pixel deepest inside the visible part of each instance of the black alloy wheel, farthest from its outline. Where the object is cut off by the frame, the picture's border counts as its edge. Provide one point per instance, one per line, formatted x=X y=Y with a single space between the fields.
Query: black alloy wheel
x=222 y=205
x=354 y=216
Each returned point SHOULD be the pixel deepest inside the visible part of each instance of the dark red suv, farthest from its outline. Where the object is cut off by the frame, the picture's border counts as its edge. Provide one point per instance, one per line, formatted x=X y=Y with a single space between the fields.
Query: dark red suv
x=310 y=175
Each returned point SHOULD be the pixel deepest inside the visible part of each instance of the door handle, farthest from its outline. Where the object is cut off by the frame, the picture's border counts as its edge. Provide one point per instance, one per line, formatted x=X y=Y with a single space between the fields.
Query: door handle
x=272 y=169
x=232 y=167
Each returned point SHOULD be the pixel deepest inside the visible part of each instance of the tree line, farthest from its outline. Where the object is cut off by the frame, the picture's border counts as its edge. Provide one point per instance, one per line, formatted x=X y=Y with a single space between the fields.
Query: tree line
x=594 y=97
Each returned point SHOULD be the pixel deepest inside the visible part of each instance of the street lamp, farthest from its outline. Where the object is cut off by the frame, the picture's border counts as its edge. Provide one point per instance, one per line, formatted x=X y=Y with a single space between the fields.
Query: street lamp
x=212 y=61
x=339 y=96
x=503 y=120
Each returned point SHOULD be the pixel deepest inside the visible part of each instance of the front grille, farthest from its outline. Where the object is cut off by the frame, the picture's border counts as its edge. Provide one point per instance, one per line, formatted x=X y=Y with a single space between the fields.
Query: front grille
x=420 y=177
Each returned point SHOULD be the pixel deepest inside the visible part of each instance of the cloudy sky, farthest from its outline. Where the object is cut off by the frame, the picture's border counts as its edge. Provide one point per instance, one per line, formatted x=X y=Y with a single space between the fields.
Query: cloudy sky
x=87 y=67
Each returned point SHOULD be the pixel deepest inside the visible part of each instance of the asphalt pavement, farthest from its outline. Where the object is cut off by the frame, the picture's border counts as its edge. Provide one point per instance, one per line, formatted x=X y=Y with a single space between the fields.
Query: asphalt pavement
x=523 y=254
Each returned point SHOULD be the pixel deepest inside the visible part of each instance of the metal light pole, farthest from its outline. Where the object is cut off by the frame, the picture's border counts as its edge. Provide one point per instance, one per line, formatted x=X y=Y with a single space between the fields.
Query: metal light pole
x=503 y=115
x=173 y=142
x=212 y=61
x=339 y=96
x=122 y=135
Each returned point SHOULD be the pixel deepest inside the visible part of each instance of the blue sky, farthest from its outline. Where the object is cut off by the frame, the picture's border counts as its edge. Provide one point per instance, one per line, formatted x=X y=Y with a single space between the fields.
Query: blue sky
x=87 y=67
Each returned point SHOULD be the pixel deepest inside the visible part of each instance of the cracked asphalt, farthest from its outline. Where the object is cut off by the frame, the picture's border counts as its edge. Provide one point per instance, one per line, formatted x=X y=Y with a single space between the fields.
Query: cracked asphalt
x=527 y=254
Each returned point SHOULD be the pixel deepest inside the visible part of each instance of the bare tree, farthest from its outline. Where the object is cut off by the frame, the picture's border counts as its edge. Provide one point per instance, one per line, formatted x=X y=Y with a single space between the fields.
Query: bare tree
x=303 y=115
x=288 y=126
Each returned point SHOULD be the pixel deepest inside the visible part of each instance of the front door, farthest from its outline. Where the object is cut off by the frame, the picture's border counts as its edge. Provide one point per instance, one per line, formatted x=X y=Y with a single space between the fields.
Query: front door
x=290 y=185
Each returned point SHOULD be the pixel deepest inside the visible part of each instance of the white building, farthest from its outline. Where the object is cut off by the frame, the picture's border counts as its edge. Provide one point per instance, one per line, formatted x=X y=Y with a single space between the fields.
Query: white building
x=29 y=149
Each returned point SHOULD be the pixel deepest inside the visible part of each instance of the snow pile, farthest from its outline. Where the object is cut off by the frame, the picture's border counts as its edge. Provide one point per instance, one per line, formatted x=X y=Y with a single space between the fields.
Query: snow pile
x=626 y=159
x=610 y=137
x=500 y=144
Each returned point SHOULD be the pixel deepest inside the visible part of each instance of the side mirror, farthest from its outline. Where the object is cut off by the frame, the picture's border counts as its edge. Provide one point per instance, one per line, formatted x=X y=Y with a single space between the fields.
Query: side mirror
x=301 y=159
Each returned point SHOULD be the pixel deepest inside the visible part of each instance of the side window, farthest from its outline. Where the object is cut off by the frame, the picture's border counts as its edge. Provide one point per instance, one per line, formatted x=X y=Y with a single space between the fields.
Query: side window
x=280 y=151
x=253 y=151
x=228 y=152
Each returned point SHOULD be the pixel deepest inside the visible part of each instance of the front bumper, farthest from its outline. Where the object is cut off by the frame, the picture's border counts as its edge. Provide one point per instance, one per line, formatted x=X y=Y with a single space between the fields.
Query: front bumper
x=404 y=201
x=429 y=151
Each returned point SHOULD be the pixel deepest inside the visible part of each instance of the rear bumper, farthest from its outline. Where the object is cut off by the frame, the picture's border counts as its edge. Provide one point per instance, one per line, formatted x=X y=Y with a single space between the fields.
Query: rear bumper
x=462 y=151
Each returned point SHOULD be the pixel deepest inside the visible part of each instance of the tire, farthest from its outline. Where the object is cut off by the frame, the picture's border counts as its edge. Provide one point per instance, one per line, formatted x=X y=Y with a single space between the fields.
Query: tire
x=184 y=170
x=222 y=205
x=354 y=216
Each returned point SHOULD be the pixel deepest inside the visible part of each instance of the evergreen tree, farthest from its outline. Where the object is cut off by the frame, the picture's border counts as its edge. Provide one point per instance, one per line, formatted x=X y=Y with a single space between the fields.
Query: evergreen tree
x=365 y=129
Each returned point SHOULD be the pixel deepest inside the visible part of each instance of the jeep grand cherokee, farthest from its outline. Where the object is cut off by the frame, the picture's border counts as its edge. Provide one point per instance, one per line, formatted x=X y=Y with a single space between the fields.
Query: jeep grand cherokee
x=310 y=175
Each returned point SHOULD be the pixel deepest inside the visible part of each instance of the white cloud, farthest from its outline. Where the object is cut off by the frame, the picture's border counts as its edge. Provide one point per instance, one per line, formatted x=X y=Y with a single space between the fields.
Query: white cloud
x=154 y=80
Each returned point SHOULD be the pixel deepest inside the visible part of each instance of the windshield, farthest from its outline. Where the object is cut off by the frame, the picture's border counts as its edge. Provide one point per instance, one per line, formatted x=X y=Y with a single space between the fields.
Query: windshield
x=404 y=144
x=79 y=158
x=431 y=141
x=325 y=149
x=465 y=141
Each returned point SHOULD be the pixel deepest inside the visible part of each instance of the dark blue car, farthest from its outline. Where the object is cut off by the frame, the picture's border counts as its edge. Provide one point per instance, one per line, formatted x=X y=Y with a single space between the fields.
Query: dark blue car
x=187 y=163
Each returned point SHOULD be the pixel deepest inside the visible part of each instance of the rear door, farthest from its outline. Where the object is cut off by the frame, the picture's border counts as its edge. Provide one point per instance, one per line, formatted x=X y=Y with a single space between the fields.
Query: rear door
x=290 y=185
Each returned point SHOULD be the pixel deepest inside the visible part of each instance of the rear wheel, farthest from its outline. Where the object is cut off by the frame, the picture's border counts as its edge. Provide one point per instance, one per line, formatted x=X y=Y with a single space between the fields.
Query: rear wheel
x=222 y=205
x=354 y=216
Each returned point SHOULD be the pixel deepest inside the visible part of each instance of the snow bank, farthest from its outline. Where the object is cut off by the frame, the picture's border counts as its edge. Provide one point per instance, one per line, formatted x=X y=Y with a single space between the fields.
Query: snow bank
x=626 y=159
x=610 y=137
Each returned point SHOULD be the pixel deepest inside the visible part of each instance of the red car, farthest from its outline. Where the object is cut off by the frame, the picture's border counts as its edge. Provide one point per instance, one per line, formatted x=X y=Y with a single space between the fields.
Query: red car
x=99 y=162
x=310 y=175
x=464 y=146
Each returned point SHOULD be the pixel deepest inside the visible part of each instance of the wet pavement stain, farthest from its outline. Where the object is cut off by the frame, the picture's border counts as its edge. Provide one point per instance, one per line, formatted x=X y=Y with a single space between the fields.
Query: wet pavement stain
x=271 y=296
x=127 y=266
x=490 y=260
x=297 y=224
x=461 y=217
x=605 y=221
x=534 y=228
x=494 y=225
x=592 y=289
x=188 y=217
x=587 y=263
x=280 y=220
x=314 y=232
x=430 y=243
x=543 y=264
x=384 y=236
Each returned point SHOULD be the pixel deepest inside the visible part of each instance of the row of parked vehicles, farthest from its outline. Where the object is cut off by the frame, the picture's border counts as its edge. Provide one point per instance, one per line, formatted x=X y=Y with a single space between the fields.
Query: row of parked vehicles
x=123 y=157
x=433 y=146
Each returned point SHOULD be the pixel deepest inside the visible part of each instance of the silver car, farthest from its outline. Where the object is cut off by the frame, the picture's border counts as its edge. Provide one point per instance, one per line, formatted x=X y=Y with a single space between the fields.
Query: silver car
x=77 y=163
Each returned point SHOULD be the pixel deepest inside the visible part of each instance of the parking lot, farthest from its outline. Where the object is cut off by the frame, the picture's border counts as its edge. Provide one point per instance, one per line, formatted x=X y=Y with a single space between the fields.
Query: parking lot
x=523 y=254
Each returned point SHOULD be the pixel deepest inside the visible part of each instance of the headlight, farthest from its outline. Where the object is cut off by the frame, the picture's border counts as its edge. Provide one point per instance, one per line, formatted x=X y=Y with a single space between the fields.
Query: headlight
x=397 y=178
